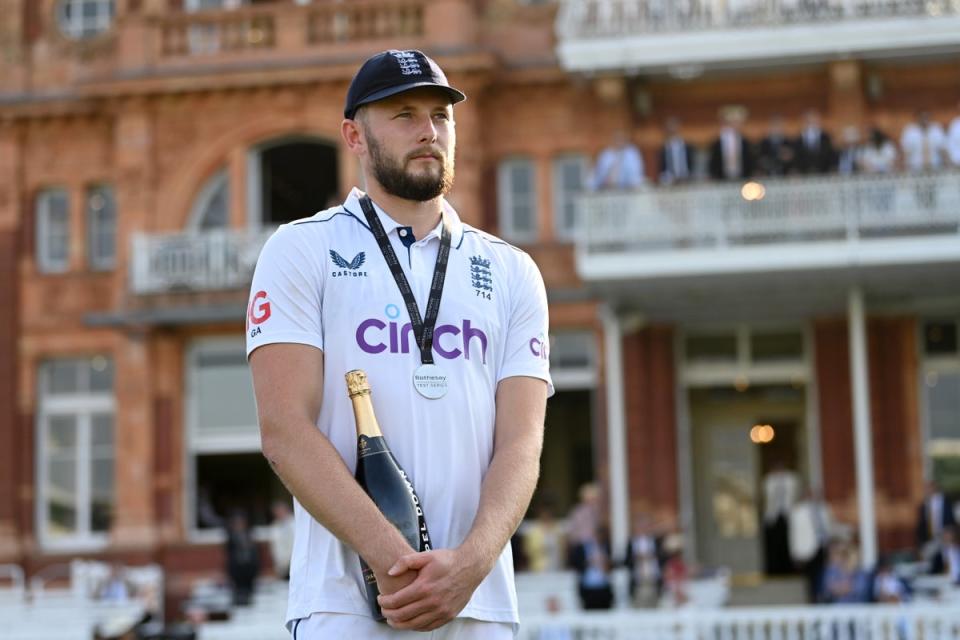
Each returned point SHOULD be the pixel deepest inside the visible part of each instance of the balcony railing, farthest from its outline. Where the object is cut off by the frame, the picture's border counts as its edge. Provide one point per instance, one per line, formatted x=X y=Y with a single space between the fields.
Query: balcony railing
x=601 y=18
x=848 y=622
x=272 y=27
x=720 y=219
x=198 y=261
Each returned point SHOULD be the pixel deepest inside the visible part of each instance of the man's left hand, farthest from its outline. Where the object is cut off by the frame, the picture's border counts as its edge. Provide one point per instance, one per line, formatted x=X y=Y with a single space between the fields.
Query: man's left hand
x=446 y=579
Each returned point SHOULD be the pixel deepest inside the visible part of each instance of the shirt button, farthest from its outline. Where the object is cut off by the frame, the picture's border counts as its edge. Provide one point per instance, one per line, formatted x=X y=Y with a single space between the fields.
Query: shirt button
x=403 y=233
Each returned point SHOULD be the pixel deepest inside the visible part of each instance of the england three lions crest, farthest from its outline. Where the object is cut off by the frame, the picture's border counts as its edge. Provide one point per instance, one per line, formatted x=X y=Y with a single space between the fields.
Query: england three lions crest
x=481 y=277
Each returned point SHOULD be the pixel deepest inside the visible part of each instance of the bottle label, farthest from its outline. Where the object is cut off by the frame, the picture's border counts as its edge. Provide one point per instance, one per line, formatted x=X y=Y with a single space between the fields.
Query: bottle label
x=367 y=446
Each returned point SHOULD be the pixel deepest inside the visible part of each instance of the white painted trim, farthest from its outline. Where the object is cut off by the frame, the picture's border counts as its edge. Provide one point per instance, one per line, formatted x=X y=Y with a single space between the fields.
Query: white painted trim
x=46 y=264
x=812 y=410
x=719 y=46
x=220 y=179
x=685 y=463
x=863 y=450
x=556 y=184
x=505 y=200
x=616 y=430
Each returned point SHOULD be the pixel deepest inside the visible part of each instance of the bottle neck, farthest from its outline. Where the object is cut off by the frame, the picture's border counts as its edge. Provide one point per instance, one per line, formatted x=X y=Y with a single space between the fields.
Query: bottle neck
x=367 y=424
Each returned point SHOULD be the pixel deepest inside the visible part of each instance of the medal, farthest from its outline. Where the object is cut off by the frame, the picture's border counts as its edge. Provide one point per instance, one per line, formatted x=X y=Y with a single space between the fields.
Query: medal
x=430 y=381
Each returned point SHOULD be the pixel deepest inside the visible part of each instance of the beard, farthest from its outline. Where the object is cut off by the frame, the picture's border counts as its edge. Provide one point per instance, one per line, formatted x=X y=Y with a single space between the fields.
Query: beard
x=397 y=181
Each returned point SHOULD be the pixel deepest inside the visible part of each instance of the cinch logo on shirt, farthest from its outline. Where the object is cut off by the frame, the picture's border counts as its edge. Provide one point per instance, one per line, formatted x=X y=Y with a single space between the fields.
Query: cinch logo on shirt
x=376 y=336
x=540 y=347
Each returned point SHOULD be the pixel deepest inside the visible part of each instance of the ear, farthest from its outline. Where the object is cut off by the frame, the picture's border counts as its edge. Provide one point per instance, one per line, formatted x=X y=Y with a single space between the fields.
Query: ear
x=352 y=135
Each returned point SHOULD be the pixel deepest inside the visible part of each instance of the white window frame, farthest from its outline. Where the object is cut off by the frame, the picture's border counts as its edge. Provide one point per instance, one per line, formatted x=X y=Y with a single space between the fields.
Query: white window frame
x=95 y=221
x=506 y=199
x=44 y=228
x=193 y=6
x=82 y=406
x=220 y=179
x=744 y=367
x=562 y=197
x=569 y=377
x=196 y=443
x=78 y=26
x=937 y=365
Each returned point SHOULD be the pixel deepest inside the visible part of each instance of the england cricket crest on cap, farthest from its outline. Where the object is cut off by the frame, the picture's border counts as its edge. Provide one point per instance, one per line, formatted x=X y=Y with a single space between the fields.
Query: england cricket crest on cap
x=409 y=65
x=480 y=277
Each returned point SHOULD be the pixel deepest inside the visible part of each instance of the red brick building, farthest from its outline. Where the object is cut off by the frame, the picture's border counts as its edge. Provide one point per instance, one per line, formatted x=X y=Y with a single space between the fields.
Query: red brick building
x=147 y=147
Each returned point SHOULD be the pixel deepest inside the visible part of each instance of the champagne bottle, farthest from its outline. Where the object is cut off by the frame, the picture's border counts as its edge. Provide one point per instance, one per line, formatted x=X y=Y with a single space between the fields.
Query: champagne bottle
x=383 y=480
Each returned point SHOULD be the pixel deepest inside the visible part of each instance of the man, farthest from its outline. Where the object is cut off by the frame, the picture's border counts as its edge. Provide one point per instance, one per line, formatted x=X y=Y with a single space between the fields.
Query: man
x=676 y=155
x=731 y=155
x=324 y=301
x=953 y=141
x=934 y=515
x=811 y=526
x=814 y=147
x=924 y=144
x=619 y=166
x=781 y=488
x=282 y=532
x=776 y=150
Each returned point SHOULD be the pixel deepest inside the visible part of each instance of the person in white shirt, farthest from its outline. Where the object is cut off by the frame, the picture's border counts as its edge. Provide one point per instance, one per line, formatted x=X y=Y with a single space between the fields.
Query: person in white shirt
x=282 y=531
x=953 y=141
x=781 y=488
x=325 y=301
x=619 y=166
x=924 y=144
x=811 y=525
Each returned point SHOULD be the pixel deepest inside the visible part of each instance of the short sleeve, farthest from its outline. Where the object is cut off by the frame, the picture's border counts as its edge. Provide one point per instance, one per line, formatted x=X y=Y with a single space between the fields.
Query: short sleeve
x=285 y=300
x=527 y=346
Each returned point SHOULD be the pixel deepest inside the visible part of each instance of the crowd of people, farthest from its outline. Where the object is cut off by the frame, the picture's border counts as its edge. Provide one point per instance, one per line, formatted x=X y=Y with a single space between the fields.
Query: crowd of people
x=923 y=145
x=800 y=536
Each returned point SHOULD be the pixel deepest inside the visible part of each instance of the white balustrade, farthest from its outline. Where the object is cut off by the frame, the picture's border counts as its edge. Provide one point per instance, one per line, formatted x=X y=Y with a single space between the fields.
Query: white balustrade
x=194 y=261
x=805 y=212
x=599 y=18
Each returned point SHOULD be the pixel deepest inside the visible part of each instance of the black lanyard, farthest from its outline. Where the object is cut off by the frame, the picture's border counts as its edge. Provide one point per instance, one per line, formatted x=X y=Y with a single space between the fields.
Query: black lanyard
x=422 y=328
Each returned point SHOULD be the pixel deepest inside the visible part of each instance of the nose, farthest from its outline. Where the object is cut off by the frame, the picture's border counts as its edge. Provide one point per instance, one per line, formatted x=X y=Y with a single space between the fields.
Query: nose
x=428 y=131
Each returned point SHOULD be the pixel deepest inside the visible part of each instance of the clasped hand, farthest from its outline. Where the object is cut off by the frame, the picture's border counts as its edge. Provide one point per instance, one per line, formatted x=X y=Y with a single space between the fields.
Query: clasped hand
x=443 y=585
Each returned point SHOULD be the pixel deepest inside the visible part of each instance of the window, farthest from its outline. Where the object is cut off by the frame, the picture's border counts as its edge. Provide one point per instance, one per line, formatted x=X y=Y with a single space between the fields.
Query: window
x=84 y=18
x=101 y=228
x=516 y=189
x=569 y=172
x=774 y=346
x=75 y=473
x=211 y=208
x=711 y=348
x=53 y=230
x=941 y=401
x=573 y=360
x=227 y=468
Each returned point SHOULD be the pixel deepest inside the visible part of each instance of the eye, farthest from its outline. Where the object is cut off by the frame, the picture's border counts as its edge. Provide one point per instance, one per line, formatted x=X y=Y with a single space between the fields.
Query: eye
x=403 y=114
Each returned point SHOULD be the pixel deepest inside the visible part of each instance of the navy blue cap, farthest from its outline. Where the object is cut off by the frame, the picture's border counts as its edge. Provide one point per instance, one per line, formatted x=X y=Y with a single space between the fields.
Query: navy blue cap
x=391 y=72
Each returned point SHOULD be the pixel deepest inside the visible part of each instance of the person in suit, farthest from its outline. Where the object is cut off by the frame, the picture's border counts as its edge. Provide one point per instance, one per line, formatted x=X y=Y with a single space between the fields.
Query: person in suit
x=591 y=560
x=810 y=528
x=731 y=155
x=947 y=558
x=644 y=562
x=243 y=558
x=676 y=154
x=934 y=515
x=815 y=153
x=777 y=154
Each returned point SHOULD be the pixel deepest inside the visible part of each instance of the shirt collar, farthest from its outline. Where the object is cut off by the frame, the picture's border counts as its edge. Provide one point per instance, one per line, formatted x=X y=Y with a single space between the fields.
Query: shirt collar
x=352 y=204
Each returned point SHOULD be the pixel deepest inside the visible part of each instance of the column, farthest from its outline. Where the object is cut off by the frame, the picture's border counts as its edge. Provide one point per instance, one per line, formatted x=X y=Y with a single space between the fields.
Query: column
x=616 y=429
x=861 y=427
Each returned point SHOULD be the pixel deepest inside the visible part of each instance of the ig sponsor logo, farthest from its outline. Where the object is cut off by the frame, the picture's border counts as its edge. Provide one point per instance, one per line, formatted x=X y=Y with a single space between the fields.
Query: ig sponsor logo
x=540 y=347
x=258 y=312
x=450 y=341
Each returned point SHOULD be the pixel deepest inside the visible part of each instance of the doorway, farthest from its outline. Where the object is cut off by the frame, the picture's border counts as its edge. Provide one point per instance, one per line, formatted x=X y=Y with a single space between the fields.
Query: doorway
x=738 y=436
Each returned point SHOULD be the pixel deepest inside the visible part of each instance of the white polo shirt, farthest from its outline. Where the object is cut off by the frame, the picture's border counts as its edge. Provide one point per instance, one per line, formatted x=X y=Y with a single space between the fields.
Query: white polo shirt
x=322 y=281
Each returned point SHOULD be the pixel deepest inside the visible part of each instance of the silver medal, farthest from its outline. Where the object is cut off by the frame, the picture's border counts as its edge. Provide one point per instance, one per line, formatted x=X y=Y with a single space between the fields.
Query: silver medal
x=430 y=381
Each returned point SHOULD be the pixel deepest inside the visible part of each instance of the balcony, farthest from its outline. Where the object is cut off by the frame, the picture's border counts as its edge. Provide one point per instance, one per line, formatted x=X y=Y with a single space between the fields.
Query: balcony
x=194 y=262
x=774 y=242
x=293 y=42
x=687 y=37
